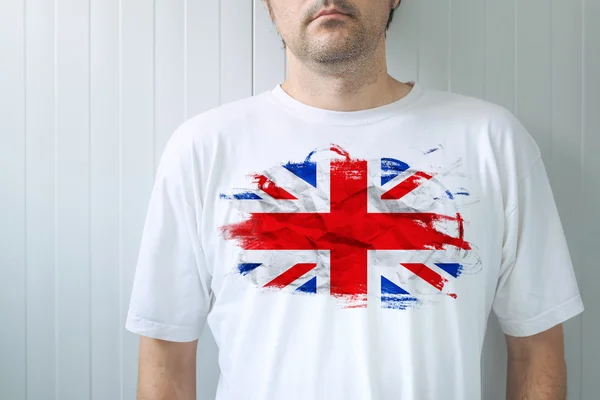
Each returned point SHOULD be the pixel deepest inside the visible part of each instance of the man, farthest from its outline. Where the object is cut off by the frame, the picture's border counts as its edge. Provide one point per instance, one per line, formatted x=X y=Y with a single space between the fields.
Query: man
x=346 y=235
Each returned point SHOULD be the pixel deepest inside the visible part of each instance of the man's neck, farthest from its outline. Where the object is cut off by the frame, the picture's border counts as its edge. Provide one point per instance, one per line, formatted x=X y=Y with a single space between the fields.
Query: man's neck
x=351 y=86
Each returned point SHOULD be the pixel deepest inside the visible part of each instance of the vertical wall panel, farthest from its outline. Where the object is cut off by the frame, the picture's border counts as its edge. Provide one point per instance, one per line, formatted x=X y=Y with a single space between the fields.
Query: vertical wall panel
x=403 y=44
x=499 y=48
x=236 y=49
x=493 y=362
x=434 y=38
x=104 y=199
x=207 y=367
x=534 y=71
x=169 y=64
x=12 y=201
x=566 y=155
x=203 y=59
x=40 y=200
x=590 y=273
x=137 y=155
x=269 y=54
x=72 y=196
x=467 y=51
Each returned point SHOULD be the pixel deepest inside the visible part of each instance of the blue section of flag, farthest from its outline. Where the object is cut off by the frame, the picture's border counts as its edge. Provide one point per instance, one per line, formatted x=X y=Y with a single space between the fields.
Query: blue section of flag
x=389 y=287
x=309 y=287
x=247 y=196
x=391 y=168
x=242 y=196
x=453 y=269
x=393 y=296
x=306 y=170
x=246 y=268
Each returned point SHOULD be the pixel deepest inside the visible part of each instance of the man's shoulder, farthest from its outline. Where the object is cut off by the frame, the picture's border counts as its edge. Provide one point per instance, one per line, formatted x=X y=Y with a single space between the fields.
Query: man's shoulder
x=487 y=120
x=202 y=128
x=465 y=107
x=469 y=113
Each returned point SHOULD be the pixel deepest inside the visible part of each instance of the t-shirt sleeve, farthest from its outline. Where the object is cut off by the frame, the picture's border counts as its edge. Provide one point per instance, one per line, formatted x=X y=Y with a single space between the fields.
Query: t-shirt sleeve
x=171 y=293
x=537 y=288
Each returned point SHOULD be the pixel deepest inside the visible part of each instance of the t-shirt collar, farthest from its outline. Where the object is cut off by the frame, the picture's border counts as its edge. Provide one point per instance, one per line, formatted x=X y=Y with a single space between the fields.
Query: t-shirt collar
x=319 y=115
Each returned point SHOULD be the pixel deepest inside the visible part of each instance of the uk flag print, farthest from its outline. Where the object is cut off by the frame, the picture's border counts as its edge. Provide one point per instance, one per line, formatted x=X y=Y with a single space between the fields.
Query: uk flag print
x=365 y=232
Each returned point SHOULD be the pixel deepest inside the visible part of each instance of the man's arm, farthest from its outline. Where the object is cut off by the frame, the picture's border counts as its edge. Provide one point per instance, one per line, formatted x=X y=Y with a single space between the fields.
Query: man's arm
x=166 y=370
x=536 y=366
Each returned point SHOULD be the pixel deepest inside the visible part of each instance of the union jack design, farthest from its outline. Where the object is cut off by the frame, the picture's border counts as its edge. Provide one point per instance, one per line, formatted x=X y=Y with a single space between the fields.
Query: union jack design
x=361 y=231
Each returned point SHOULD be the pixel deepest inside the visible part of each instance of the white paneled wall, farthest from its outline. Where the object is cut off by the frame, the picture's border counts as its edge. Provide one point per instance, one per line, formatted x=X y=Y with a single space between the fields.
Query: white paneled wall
x=90 y=92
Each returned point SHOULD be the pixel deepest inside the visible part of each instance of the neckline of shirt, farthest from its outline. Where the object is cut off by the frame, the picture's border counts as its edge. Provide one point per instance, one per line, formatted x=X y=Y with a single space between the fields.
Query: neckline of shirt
x=319 y=115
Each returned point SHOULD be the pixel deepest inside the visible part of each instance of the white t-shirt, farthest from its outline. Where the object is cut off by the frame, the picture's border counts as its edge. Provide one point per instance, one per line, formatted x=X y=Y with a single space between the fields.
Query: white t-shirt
x=351 y=255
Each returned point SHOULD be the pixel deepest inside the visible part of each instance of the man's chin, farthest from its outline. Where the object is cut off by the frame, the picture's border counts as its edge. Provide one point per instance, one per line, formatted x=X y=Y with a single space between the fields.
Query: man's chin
x=334 y=55
x=331 y=38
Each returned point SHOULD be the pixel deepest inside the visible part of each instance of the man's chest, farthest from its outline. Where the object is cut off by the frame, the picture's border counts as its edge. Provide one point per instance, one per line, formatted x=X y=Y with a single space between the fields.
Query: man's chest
x=380 y=225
